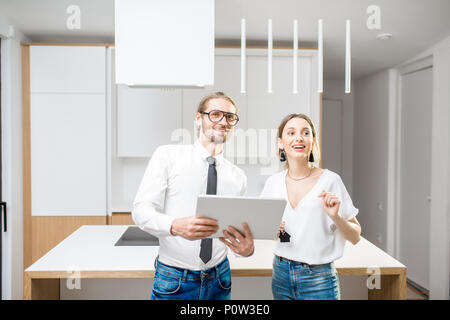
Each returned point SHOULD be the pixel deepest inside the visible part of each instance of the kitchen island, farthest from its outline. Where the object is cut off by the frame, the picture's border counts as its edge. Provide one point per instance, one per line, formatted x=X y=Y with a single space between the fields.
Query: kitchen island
x=90 y=253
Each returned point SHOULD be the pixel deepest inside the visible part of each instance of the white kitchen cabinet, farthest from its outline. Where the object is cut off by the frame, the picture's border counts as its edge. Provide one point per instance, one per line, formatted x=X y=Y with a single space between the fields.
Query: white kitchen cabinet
x=164 y=43
x=68 y=154
x=266 y=110
x=68 y=130
x=226 y=79
x=146 y=119
x=60 y=69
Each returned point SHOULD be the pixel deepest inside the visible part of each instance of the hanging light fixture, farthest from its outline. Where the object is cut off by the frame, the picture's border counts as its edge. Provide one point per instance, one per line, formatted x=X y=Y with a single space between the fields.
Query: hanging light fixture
x=348 y=58
x=295 y=59
x=320 y=57
x=243 y=57
x=269 y=56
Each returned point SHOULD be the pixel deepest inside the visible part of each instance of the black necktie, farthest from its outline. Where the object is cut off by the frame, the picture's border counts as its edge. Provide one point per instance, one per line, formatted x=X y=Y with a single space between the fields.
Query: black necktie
x=211 y=188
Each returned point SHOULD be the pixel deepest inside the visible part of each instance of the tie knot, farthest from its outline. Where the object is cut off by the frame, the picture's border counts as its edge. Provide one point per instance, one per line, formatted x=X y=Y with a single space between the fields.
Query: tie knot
x=211 y=160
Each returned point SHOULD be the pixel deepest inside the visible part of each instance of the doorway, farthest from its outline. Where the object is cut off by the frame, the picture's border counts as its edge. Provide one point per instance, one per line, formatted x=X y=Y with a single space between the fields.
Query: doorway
x=414 y=174
x=332 y=135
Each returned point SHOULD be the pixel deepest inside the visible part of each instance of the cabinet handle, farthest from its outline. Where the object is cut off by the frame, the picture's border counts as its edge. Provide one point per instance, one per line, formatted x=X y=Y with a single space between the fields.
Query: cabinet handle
x=3 y=205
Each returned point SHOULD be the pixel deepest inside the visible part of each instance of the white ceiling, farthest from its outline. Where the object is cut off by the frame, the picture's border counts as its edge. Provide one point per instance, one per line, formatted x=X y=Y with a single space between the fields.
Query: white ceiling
x=415 y=24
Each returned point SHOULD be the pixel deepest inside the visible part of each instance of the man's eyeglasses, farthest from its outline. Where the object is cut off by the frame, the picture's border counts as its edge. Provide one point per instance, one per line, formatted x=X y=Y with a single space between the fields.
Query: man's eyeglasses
x=217 y=116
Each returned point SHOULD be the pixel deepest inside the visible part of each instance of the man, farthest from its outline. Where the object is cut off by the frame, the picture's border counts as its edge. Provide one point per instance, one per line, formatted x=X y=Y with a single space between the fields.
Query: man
x=190 y=265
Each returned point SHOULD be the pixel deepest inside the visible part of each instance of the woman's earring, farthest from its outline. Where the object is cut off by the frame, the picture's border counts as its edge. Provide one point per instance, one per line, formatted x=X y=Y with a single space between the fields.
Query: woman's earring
x=282 y=156
x=311 y=157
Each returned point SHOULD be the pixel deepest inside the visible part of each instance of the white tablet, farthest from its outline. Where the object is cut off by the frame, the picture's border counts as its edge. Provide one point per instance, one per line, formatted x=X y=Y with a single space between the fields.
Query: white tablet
x=263 y=215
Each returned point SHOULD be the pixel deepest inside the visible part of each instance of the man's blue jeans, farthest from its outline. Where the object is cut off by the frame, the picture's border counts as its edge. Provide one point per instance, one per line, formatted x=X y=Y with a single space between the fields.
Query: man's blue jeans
x=293 y=280
x=171 y=283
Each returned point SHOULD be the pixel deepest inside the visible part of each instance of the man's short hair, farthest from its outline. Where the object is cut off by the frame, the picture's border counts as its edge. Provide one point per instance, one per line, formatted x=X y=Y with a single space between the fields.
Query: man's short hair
x=215 y=95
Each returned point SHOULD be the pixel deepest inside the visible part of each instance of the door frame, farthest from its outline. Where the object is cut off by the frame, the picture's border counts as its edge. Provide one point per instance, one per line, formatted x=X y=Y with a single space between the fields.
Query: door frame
x=415 y=66
x=418 y=66
x=394 y=157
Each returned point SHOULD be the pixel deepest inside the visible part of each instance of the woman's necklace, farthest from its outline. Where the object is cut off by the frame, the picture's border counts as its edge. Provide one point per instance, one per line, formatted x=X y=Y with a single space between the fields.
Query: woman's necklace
x=310 y=170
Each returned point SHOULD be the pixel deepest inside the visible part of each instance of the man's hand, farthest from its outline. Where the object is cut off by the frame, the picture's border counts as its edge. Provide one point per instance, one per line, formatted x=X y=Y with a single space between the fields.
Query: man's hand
x=241 y=244
x=193 y=227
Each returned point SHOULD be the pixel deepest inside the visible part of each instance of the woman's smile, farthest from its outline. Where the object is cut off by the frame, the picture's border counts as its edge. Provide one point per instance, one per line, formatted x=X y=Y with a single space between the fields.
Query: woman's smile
x=298 y=147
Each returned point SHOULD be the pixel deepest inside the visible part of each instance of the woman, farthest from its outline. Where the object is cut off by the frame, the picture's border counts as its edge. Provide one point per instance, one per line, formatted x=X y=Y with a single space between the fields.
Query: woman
x=318 y=219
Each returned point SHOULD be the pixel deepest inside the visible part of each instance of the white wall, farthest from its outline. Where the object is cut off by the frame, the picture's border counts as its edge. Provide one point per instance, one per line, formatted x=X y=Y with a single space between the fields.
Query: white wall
x=371 y=137
x=375 y=98
x=12 y=163
x=440 y=171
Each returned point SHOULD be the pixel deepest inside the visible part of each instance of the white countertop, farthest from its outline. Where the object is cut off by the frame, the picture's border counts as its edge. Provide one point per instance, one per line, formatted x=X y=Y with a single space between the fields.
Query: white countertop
x=91 y=248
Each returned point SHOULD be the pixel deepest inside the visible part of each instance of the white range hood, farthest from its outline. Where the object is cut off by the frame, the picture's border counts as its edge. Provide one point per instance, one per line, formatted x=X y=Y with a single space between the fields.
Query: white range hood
x=164 y=43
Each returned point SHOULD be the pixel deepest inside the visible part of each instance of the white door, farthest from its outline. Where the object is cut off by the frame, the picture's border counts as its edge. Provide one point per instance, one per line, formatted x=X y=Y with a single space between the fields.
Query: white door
x=415 y=173
x=332 y=135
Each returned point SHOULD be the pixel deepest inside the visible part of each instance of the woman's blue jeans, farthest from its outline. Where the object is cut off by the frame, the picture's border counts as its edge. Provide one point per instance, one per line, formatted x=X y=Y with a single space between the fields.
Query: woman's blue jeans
x=292 y=280
x=171 y=283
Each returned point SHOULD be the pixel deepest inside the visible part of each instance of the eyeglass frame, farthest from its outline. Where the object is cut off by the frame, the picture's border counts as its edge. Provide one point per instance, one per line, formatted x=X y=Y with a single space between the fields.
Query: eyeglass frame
x=223 y=115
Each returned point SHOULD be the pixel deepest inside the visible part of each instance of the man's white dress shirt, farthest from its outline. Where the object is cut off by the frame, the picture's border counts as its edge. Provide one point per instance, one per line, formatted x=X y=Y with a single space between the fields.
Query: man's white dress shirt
x=175 y=176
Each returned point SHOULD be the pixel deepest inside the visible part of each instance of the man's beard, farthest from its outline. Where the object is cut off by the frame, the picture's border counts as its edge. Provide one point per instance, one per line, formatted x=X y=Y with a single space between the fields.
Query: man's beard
x=212 y=137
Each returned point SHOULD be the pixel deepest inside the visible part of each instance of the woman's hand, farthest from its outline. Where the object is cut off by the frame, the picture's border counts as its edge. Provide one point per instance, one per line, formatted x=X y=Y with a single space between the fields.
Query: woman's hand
x=331 y=203
x=280 y=228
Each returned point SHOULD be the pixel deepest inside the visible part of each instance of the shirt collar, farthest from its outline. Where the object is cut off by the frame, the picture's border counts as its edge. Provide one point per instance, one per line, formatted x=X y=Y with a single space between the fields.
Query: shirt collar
x=205 y=153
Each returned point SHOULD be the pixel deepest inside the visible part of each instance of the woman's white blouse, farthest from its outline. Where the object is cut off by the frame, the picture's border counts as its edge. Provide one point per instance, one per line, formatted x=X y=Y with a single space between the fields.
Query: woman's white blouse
x=315 y=238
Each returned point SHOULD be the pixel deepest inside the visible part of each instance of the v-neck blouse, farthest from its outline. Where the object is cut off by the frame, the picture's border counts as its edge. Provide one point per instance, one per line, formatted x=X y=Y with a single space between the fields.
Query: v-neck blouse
x=315 y=238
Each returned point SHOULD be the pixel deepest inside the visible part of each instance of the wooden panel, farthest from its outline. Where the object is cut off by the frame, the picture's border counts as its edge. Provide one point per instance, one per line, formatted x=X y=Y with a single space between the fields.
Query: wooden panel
x=392 y=287
x=102 y=274
x=26 y=149
x=121 y=218
x=47 y=232
x=67 y=44
x=40 y=289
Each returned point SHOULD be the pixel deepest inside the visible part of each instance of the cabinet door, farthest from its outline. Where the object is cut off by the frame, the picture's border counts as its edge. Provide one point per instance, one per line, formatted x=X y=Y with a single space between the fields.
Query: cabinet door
x=164 y=43
x=227 y=79
x=68 y=154
x=146 y=119
x=67 y=69
x=266 y=110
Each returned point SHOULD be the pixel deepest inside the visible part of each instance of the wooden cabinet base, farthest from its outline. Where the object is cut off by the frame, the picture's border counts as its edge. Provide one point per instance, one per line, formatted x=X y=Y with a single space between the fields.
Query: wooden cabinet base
x=393 y=286
x=47 y=232
x=41 y=289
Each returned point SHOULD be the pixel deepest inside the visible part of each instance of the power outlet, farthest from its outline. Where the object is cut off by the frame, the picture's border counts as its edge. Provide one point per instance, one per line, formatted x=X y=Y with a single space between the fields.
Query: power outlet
x=380 y=206
x=379 y=238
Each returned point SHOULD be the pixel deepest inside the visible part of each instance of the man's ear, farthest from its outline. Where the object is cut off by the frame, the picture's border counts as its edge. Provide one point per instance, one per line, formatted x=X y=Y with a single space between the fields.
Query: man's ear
x=198 y=118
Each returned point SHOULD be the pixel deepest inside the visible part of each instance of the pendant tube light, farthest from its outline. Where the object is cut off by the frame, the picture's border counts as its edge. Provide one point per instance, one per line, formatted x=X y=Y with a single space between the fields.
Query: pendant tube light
x=269 y=56
x=243 y=57
x=295 y=59
x=320 y=57
x=348 y=58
